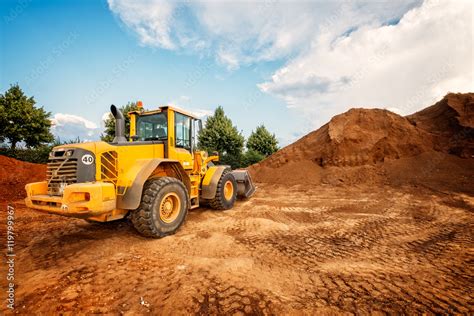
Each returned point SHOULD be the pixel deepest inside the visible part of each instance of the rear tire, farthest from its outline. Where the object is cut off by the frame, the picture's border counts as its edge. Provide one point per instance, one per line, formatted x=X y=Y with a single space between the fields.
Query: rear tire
x=226 y=192
x=163 y=208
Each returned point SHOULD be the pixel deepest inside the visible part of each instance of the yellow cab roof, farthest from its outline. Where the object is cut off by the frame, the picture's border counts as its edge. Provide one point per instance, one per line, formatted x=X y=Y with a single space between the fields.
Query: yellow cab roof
x=163 y=108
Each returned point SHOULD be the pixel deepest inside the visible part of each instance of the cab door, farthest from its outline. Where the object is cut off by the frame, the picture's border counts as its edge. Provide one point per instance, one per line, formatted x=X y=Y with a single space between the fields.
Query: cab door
x=181 y=147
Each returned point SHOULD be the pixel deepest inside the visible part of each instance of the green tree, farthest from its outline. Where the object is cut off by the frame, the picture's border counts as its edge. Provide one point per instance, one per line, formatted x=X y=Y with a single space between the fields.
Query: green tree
x=109 y=132
x=262 y=142
x=21 y=121
x=220 y=135
x=251 y=157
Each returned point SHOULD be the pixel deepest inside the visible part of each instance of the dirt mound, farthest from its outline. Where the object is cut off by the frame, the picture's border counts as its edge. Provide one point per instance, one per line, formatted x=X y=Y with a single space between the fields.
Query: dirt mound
x=15 y=174
x=360 y=146
x=451 y=122
x=357 y=137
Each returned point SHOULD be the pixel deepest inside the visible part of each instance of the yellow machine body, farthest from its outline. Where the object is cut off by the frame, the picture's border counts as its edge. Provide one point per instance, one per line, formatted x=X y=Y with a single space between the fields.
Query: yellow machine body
x=103 y=181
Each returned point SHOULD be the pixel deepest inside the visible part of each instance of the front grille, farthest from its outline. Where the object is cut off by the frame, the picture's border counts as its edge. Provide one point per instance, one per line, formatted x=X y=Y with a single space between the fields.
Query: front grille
x=61 y=171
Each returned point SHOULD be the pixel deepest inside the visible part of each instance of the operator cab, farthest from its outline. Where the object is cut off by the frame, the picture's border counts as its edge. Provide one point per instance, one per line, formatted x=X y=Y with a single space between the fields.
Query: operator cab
x=153 y=126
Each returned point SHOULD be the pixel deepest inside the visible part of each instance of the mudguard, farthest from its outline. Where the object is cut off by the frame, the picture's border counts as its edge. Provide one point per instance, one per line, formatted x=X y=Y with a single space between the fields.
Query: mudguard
x=129 y=194
x=245 y=186
x=211 y=178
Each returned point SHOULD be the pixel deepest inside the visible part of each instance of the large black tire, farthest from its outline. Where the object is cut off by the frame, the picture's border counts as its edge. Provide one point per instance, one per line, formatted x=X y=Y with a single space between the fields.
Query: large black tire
x=163 y=207
x=223 y=200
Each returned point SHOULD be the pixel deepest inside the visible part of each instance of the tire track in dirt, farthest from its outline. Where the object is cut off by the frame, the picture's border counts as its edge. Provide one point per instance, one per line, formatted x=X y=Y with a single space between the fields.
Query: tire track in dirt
x=333 y=250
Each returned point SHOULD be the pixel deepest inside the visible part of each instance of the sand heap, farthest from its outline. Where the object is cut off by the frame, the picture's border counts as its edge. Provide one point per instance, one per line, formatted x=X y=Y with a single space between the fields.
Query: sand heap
x=451 y=124
x=367 y=145
x=15 y=174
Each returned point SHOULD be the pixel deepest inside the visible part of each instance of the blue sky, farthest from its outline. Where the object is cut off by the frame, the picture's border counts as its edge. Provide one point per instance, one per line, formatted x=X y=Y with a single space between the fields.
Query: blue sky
x=290 y=66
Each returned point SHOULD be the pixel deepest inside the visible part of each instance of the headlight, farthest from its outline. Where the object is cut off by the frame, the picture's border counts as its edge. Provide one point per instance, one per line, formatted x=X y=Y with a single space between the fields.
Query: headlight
x=69 y=153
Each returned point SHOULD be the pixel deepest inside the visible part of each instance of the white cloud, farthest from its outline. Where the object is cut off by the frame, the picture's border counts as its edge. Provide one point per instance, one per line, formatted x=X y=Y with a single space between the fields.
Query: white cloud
x=70 y=127
x=402 y=55
x=244 y=32
x=105 y=117
x=405 y=66
x=150 y=19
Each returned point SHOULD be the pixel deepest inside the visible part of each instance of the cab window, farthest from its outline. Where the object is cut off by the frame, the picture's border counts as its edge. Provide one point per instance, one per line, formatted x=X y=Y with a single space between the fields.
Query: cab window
x=152 y=127
x=182 y=131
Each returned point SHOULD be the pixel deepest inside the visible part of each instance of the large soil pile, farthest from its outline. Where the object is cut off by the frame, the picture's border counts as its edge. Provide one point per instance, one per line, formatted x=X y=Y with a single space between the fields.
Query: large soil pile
x=451 y=122
x=15 y=174
x=377 y=146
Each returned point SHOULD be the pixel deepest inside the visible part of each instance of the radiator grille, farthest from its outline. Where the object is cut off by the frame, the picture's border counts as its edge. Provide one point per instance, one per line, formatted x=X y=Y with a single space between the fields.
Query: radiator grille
x=108 y=167
x=61 y=171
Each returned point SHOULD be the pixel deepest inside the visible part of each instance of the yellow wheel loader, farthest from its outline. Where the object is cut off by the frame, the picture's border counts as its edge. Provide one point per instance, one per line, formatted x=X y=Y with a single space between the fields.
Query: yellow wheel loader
x=156 y=176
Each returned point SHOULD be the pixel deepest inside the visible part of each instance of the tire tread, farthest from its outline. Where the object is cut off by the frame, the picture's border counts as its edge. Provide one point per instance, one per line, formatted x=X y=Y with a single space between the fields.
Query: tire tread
x=142 y=218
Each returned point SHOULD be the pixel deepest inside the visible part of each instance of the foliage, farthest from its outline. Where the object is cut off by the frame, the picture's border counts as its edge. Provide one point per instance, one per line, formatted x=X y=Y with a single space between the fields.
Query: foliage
x=233 y=160
x=251 y=157
x=261 y=141
x=220 y=135
x=109 y=132
x=38 y=154
x=21 y=121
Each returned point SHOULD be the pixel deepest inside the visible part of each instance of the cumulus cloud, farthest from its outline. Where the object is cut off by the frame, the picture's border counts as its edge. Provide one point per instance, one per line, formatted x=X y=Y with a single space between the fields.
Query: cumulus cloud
x=150 y=19
x=401 y=55
x=404 y=66
x=105 y=116
x=244 y=32
x=70 y=127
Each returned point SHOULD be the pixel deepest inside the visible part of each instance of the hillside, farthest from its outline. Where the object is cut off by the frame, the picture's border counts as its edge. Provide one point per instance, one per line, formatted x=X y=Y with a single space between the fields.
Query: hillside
x=363 y=146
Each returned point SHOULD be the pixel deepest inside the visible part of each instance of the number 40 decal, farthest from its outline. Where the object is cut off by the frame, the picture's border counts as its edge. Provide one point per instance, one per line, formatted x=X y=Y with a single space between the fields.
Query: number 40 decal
x=87 y=159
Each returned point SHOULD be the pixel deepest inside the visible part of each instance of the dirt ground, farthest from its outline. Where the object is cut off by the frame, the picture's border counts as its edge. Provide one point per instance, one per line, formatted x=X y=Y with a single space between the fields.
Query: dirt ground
x=288 y=250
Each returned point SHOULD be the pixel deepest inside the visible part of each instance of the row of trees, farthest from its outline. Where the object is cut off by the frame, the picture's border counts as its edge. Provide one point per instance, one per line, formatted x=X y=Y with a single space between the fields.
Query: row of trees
x=219 y=134
x=22 y=122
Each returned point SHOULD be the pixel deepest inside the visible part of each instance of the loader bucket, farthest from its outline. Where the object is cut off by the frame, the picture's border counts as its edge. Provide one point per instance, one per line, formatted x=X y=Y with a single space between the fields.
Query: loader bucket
x=245 y=186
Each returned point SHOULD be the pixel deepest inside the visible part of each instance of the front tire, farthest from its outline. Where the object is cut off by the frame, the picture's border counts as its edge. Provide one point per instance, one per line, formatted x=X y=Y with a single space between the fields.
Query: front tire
x=226 y=192
x=163 y=207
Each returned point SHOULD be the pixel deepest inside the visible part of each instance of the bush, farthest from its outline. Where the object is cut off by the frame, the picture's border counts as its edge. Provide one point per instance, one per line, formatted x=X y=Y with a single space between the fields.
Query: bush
x=251 y=157
x=235 y=160
x=39 y=154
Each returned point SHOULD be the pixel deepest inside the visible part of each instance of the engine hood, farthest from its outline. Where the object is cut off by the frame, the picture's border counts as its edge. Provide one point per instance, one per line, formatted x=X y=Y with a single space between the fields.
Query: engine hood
x=89 y=146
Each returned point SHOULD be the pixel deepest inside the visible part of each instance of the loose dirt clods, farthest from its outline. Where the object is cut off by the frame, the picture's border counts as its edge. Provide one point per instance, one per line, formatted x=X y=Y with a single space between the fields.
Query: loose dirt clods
x=336 y=249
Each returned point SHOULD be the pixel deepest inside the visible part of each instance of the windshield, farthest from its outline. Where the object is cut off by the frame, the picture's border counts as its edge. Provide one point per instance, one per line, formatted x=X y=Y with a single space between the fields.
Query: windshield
x=152 y=127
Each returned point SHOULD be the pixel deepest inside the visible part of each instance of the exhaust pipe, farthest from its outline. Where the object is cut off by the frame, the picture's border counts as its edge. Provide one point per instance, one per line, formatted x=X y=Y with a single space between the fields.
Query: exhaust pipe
x=119 y=125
